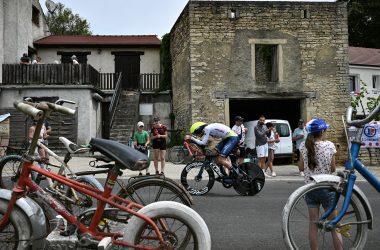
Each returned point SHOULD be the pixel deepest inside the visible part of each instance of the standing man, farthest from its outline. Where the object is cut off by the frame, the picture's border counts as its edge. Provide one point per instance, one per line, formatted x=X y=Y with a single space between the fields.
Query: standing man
x=299 y=136
x=240 y=130
x=261 y=142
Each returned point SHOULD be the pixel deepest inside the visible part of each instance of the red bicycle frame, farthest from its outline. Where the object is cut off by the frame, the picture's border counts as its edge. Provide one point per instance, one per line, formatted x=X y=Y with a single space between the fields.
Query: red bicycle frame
x=26 y=185
x=194 y=151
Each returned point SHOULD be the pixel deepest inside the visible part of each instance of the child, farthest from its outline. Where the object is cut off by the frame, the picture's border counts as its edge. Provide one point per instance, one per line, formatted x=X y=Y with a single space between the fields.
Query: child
x=141 y=141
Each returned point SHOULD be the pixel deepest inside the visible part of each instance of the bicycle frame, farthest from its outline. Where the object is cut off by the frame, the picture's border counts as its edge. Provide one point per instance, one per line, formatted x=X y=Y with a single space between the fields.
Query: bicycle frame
x=26 y=184
x=350 y=168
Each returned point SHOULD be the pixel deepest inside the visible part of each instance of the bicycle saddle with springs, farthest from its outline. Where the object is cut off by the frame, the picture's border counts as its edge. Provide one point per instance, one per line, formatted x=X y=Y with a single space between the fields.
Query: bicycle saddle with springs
x=124 y=156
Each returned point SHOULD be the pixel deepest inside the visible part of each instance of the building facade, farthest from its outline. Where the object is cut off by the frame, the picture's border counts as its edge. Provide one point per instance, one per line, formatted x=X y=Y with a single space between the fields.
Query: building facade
x=285 y=60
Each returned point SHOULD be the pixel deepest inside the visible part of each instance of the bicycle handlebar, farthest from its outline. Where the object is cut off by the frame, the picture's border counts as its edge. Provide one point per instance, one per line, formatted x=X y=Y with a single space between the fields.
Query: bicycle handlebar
x=29 y=110
x=35 y=110
x=359 y=123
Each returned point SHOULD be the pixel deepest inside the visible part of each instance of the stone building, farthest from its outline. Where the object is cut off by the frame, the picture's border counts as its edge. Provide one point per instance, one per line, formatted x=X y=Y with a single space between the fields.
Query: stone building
x=285 y=60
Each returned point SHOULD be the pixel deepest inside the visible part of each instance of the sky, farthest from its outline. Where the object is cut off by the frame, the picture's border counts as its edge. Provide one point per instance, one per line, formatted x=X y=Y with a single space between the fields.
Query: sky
x=128 y=17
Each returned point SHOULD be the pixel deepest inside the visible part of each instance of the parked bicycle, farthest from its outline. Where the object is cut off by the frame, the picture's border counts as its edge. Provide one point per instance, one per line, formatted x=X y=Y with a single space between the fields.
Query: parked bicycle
x=199 y=176
x=188 y=151
x=165 y=224
x=354 y=214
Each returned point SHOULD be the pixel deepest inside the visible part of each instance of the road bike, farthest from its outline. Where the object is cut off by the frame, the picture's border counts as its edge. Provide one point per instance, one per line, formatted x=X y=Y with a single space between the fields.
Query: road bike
x=349 y=212
x=186 y=152
x=199 y=176
x=160 y=225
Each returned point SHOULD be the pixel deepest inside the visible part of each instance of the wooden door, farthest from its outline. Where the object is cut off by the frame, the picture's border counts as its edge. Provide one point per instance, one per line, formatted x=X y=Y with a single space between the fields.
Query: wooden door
x=128 y=64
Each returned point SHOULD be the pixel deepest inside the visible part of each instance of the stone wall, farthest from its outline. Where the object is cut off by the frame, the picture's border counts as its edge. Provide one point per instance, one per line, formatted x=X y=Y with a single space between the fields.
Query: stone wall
x=180 y=55
x=312 y=44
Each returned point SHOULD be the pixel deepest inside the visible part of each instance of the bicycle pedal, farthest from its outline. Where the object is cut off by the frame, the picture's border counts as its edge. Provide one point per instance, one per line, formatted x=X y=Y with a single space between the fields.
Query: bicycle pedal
x=345 y=230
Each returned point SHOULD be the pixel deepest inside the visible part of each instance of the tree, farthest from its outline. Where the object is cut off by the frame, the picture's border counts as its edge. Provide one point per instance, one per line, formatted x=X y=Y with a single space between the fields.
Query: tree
x=364 y=23
x=63 y=22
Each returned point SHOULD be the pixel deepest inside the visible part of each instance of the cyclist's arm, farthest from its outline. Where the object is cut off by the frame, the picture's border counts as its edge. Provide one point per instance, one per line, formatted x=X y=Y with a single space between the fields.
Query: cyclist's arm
x=204 y=139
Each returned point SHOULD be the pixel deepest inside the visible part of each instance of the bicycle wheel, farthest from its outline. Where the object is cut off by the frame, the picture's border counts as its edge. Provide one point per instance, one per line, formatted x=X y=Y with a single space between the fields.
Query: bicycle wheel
x=9 y=166
x=197 y=185
x=17 y=234
x=176 y=154
x=180 y=226
x=152 y=190
x=252 y=183
x=295 y=221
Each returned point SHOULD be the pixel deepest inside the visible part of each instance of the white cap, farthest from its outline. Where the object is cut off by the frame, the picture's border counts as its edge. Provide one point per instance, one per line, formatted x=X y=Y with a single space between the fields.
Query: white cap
x=139 y=124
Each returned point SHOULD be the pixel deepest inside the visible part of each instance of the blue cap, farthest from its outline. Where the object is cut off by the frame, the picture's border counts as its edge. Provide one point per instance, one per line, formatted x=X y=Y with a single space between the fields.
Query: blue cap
x=316 y=125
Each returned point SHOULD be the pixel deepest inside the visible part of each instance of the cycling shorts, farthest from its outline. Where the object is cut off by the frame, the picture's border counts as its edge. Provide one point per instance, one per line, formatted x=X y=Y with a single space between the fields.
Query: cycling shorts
x=226 y=146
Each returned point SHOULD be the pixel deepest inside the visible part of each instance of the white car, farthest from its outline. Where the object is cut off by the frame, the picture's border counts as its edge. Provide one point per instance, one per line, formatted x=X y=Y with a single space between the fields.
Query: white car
x=284 y=149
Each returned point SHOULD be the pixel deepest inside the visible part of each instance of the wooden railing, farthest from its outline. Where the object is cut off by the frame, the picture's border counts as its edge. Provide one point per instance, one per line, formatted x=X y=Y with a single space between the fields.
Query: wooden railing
x=28 y=74
x=150 y=82
x=108 y=81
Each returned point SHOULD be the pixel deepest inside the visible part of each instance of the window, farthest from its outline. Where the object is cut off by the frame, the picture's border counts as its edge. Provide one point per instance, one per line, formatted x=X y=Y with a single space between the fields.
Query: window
x=282 y=129
x=376 y=82
x=266 y=60
x=354 y=83
x=35 y=15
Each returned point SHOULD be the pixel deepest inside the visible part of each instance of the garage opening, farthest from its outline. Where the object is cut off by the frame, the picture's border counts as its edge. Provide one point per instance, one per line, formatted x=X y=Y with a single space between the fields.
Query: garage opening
x=251 y=109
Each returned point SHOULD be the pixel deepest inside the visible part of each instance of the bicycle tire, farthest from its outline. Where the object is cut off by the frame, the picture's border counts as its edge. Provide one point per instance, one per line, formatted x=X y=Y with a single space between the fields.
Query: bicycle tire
x=18 y=233
x=152 y=190
x=253 y=183
x=184 y=228
x=177 y=154
x=9 y=166
x=197 y=186
x=296 y=208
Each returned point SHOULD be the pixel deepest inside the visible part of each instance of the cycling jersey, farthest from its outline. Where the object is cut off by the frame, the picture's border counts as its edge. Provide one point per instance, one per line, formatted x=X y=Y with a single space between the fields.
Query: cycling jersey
x=216 y=130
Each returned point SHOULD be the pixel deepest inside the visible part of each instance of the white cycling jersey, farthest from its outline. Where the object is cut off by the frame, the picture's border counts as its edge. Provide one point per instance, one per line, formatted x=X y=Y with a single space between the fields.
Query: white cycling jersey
x=216 y=130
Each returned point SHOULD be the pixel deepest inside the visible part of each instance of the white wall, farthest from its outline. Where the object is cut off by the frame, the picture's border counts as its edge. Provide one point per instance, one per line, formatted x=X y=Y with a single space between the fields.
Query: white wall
x=102 y=59
x=89 y=110
x=365 y=74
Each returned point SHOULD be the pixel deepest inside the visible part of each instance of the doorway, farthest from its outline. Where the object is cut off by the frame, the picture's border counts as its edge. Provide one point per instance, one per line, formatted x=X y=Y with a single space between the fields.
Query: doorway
x=128 y=63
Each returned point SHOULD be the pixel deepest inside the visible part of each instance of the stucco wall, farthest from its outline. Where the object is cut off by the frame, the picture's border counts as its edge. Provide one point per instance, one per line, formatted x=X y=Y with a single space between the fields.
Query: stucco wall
x=102 y=59
x=17 y=31
x=314 y=43
x=89 y=111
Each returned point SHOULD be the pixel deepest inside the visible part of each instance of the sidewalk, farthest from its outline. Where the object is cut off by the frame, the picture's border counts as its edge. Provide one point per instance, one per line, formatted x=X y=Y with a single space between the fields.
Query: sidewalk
x=284 y=172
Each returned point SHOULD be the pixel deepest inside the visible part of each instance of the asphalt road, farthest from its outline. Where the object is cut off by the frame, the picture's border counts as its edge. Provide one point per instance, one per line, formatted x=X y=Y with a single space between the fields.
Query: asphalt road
x=237 y=222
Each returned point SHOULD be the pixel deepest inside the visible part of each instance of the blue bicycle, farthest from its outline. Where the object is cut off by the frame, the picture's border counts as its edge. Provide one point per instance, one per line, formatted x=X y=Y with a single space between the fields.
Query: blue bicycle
x=346 y=218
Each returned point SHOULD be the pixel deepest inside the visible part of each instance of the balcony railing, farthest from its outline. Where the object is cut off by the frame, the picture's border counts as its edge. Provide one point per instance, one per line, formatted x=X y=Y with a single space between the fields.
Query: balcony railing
x=65 y=74
x=30 y=74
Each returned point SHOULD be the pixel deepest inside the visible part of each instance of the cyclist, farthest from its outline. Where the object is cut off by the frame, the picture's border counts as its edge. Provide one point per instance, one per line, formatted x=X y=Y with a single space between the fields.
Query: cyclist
x=317 y=157
x=229 y=141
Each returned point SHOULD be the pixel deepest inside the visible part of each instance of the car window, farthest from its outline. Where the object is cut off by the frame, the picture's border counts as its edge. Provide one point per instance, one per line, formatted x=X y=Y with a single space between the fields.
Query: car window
x=282 y=129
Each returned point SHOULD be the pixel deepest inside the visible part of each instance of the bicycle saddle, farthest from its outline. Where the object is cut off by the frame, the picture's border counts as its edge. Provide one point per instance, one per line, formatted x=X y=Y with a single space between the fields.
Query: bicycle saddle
x=124 y=156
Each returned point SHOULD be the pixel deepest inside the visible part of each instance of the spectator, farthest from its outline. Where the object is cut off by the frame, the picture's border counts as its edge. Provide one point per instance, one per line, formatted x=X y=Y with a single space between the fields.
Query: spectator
x=158 y=136
x=39 y=151
x=74 y=59
x=261 y=142
x=240 y=130
x=37 y=60
x=317 y=156
x=25 y=59
x=273 y=138
x=141 y=141
x=299 y=136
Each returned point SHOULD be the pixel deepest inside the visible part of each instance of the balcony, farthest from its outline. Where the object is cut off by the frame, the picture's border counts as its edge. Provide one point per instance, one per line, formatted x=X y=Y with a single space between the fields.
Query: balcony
x=69 y=74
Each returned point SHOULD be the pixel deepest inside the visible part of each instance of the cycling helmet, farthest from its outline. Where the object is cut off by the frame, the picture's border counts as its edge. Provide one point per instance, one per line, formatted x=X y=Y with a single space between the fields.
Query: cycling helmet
x=316 y=125
x=197 y=127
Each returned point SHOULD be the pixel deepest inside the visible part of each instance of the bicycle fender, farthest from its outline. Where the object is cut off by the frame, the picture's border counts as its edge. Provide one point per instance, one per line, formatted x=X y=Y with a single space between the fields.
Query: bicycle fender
x=36 y=217
x=91 y=179
x=357 y=191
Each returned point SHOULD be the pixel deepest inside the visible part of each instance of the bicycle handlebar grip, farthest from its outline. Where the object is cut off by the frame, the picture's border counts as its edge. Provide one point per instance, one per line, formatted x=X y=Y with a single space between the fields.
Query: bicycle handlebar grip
x=358 y=123
x=28 y=110
x=61 y=109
